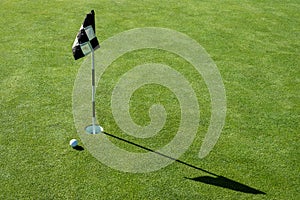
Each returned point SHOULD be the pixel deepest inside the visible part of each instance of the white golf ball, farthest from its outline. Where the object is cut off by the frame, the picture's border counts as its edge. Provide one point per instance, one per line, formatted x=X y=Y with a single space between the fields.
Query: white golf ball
x=73 y=143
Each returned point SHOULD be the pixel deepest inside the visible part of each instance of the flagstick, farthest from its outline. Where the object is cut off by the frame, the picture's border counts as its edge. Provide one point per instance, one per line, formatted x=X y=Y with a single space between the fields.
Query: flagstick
x=93 y=129
x=81 y=49
x=93 y=92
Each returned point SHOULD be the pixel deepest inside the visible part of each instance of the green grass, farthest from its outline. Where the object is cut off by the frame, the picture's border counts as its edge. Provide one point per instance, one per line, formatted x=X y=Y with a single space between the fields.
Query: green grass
x=256 y=47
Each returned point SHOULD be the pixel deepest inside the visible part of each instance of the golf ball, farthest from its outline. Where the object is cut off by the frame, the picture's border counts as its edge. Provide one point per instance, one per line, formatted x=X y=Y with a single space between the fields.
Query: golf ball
x=73 y=143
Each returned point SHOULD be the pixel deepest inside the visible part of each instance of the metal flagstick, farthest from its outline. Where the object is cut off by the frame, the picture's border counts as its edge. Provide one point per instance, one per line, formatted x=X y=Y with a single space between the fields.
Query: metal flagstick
x=93 y=129
x=93 y=92
x=85 y=43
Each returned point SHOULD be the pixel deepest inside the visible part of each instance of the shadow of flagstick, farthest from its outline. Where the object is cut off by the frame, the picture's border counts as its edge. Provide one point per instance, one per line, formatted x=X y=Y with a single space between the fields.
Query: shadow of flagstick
x=217 y=180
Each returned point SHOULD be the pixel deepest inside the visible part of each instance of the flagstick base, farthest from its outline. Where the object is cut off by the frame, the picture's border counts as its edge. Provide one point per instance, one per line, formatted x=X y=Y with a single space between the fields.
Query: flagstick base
x=98 y=129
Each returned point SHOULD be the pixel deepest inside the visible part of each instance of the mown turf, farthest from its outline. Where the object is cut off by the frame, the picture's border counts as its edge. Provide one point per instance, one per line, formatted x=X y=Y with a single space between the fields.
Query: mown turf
x=255 y=45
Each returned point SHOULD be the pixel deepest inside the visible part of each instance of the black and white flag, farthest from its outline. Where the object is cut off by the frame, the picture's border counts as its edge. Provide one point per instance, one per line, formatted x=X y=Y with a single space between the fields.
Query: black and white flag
x=86 y=40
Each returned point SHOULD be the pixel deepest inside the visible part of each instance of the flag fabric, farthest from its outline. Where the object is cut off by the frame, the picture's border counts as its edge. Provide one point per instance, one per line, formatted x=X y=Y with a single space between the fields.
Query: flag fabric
x=86 y=40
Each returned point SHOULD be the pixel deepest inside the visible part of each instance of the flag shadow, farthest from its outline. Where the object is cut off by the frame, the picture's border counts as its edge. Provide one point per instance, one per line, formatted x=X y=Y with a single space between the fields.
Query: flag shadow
x=214 y=179
x=224 y=182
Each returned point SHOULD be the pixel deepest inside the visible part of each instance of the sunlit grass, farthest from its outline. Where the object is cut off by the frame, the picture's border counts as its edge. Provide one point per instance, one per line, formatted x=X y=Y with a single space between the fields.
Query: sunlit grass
x=255 y=45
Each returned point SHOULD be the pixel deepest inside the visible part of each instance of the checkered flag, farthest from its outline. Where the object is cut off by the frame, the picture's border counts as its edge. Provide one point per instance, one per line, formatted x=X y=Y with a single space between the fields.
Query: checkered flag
x=86 y=40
